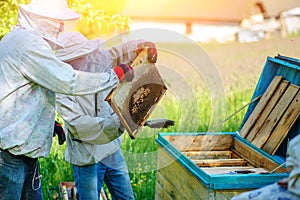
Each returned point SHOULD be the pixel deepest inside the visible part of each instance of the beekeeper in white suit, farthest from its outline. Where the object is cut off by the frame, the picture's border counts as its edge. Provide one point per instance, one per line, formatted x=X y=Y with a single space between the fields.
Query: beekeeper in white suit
x=30 y=75
x=87 y=117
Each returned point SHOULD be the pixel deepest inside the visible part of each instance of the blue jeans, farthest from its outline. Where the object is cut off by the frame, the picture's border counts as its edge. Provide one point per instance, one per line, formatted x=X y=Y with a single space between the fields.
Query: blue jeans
x=112 y=170
x=19 y=177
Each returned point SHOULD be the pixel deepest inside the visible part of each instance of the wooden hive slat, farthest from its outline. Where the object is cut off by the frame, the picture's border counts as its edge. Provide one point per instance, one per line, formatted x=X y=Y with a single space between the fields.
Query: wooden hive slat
x=220 y=162
x=267 y=110
x=272 y=120
x=283 y=127
x=204 y=143
x=260 y=107
x=239 y=169
x=273 y=116
x=208 y=154
x=256 y=160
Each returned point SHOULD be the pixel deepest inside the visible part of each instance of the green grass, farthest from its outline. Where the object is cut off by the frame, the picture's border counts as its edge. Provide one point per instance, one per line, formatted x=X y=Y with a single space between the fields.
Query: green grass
x=141 y=153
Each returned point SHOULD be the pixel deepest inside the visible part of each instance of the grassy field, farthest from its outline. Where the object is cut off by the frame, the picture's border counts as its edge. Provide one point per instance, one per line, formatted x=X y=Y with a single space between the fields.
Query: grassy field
x=190 y=101
x=243 y=62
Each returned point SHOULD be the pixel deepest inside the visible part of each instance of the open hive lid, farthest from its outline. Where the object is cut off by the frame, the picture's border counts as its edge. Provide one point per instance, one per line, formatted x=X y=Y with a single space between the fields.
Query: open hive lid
x=134 y=101
x=273 y=120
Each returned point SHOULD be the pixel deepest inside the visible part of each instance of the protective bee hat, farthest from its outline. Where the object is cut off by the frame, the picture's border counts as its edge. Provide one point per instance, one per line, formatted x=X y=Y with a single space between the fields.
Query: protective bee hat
x=54 y=9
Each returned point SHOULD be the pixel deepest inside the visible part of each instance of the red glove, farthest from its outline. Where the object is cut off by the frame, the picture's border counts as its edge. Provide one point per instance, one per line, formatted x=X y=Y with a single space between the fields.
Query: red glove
x=152 y=51
x=59 y=131
x=124 y=71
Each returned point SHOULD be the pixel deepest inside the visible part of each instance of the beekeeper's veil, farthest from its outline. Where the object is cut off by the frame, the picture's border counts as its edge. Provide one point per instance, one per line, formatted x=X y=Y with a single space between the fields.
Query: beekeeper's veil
x=48 y=17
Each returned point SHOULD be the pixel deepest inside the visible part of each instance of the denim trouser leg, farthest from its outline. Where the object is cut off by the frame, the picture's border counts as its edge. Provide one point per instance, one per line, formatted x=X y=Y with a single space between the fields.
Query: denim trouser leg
x=113 y=170
x=86 y=182
x=116 y=176
x=17 y=175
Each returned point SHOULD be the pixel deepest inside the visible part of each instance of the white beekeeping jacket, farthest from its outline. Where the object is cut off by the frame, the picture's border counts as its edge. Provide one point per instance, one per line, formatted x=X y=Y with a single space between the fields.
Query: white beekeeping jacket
x=30 y=75
x=293 y=160
x=90 y=118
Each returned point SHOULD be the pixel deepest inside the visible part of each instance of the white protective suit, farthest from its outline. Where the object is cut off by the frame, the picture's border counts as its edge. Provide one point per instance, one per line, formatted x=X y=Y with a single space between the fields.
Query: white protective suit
x=293 y=161
x=90 y=118
x=30 y=75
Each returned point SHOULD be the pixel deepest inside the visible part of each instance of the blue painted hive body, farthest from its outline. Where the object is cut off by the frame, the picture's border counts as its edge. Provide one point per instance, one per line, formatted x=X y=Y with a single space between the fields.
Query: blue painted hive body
x=221 y=165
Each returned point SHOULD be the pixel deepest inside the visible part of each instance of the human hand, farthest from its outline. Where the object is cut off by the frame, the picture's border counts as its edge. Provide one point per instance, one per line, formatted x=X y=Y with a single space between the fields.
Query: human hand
x=59 y=131
x=124 y=72
x=283 y=183
x=151 y=50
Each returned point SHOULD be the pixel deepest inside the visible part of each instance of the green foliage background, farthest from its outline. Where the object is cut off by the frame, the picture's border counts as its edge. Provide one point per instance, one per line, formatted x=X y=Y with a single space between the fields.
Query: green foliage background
x=8 y=13
x=100 y=18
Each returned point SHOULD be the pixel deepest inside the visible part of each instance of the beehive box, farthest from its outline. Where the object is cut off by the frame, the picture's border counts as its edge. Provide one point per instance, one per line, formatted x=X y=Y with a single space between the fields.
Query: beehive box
x=221 y=165
x=211 y=166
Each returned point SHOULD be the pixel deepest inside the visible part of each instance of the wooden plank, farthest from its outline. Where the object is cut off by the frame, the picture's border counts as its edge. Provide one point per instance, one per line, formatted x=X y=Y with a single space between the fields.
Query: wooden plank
x=172 y=169
x=220 y=162
x=160 y=191
x=267 y=110
x=260 y=106
x=195 y=188
x=213 y=142
x=253 y=157
x=208 y=154
x=228 y=170
x=167 y=162
x=157 y=193
x=283 y=127
x=174 y=187
x=235 y=155
x=157 y=197
x=225 y=194
x=272 y=120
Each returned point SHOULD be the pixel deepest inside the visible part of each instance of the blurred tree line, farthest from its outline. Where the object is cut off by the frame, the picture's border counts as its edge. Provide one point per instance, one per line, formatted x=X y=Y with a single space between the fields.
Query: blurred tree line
x=99 y=18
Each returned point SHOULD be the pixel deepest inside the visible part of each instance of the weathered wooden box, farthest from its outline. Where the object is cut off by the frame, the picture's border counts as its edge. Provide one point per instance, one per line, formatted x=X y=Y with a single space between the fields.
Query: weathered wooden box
x=211 y=166
x=221 y=165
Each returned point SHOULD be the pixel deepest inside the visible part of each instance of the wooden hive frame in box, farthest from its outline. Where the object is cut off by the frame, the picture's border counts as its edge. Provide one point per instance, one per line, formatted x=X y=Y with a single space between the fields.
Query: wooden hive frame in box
x=222 y=153
x=134 y=101
x=211 y=166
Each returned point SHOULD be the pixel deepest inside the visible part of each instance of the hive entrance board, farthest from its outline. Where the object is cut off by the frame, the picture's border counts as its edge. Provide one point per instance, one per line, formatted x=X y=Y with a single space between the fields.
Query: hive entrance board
x=273 y=116
x=134 y=101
